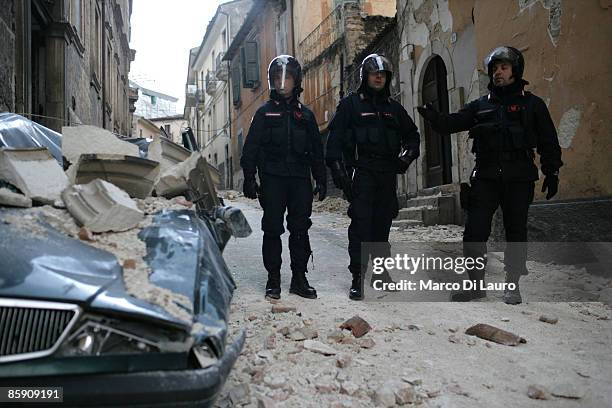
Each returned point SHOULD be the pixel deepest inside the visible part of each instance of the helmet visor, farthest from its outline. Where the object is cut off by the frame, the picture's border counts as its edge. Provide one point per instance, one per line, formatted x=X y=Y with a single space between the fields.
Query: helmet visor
x=278 y=72
x=376 y=63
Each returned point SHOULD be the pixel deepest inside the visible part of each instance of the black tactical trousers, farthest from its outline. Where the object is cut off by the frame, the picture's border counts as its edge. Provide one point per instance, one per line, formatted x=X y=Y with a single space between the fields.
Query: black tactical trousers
x=294 y=195
x=372 y=210
x=485 y=197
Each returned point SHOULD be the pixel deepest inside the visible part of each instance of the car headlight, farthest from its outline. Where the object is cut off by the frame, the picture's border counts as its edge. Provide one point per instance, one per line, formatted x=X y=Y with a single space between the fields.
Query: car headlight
x=93 y=338
x=101 y=336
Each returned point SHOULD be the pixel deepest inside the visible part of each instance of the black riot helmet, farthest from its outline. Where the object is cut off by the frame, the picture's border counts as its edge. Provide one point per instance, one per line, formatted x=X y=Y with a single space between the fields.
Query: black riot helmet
x=375 y=63
x=283 y=65
x=506 y=54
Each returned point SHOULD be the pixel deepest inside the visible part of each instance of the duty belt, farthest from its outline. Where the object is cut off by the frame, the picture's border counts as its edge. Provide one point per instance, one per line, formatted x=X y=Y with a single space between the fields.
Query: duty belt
x=492 y=156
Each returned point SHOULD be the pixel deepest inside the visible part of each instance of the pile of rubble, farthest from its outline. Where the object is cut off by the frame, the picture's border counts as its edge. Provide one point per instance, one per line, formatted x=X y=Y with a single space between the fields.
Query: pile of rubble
x=106 y=195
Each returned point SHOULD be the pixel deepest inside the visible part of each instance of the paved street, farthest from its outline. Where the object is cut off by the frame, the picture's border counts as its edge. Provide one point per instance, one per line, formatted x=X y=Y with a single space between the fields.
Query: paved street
x=424 y=343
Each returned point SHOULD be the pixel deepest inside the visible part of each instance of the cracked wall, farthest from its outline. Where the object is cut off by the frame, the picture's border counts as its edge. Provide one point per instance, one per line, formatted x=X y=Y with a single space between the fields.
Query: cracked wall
x=568 y=60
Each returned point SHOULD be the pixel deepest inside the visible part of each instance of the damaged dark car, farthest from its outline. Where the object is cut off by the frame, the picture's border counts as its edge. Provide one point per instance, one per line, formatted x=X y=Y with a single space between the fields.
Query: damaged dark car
x=67 y=318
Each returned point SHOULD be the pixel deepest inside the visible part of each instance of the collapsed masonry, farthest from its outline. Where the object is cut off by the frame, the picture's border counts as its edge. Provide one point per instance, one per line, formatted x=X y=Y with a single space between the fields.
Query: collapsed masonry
x=107 y=195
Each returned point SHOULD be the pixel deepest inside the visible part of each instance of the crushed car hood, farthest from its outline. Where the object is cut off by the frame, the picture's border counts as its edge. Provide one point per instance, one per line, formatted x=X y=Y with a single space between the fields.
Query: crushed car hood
x=184 y=257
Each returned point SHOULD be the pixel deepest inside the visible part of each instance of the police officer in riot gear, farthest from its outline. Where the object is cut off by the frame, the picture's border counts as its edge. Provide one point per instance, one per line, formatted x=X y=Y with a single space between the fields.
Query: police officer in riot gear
x=505 y=127
x=371 y=140
x=284 y=147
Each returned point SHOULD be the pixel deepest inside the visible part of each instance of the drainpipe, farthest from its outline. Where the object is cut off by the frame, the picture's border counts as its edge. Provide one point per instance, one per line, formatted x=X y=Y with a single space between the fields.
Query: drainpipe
x=229 y=99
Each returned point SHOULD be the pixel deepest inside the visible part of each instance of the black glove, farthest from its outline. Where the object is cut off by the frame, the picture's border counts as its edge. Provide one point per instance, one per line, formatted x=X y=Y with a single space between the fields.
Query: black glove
x=320 y=189
x=406 y=157
x=250 y=188
x=341 y=179
x=551 y=183
x=428 y=112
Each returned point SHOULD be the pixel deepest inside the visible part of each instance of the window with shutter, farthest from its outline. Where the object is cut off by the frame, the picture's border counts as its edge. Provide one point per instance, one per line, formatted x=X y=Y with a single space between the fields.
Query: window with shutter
x=250 y=64
x=235 y=82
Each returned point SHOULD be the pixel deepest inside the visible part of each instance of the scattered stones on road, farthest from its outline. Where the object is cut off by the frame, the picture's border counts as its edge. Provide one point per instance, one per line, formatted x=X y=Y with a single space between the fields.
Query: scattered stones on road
x=538 y=392
x=357 y=326
x=495 y=334
x=318 y=347
x=549 y=319
x=283 y=309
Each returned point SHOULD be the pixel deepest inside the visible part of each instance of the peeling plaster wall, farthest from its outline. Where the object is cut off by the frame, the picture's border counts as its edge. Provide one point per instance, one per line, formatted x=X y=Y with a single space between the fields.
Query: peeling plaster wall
x=443 y=28
x=568 y=58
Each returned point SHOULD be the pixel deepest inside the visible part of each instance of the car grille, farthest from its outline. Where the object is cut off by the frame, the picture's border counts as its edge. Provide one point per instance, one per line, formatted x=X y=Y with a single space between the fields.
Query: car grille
x=31 y=329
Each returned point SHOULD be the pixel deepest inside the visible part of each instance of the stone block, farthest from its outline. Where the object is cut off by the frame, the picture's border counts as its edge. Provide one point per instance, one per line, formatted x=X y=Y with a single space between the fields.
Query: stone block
x=135 y=175
x=33 y=171
x=101 y=206
x=78 y=140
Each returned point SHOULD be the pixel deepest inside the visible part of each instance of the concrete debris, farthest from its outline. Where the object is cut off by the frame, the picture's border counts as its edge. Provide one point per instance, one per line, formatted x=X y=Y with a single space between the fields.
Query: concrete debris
x=567 y=390
x=494 y=334
x=78 y=140
x=404 y=393
x=134 y=175
x=239 y=394
x=174 y=180
x=283 y=309
x=274 y=381
x=270 y=341
x=349 y=388
x=166 y=152
x=538 y=392
x=318 y=347
x=357 y=326
x=101 y=207
x=549 y=319
x=12 y=199
x=34 y=172
x=265 y=402
x=129 y=264
x=384 y=396
x=85 y=234
x=606 y=295
x=326 y=387
x=343 y=360
x=366 y=343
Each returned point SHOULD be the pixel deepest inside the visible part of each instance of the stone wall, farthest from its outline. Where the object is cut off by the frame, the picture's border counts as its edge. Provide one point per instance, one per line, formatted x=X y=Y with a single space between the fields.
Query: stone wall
x=7 y=56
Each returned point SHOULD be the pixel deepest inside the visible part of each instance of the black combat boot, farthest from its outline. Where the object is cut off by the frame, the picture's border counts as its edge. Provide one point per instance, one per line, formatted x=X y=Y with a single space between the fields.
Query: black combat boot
x=385 y=277
x=356 y=291
x=301 y=287
x=477 y=278
x=271 y=250
x=273 y=288
x=512 y=296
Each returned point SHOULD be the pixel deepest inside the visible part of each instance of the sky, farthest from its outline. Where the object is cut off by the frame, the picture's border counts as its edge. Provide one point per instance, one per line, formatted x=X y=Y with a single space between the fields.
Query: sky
x=163 y=32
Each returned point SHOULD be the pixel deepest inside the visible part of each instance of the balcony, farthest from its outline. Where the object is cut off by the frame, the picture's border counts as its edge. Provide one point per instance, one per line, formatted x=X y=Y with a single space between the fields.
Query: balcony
x=211 y=83
x=221 y=70
x=200 y=99
x=190 y=95
x=323 y=36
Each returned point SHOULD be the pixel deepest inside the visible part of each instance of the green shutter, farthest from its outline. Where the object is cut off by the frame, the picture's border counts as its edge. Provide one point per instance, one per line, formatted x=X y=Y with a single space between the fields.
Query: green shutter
x=235 y=82
x=251 y=64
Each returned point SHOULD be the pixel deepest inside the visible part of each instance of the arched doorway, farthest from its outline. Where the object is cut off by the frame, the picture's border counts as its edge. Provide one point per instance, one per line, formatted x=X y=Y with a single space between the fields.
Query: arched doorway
x=437 y=145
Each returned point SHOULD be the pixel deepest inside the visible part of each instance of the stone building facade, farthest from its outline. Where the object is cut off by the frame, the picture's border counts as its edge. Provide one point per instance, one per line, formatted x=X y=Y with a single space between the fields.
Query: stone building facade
x=67 y=62
x=565 y=44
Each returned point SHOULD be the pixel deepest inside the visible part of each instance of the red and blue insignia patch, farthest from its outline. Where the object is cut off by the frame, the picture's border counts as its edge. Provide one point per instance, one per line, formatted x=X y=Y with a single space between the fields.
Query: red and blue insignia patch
x=514 y=108
x=298 y=114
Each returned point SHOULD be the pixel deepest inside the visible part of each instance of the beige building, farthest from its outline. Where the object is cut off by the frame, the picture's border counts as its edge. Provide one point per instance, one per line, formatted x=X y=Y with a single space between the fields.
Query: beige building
x=171 y=127
x=568 y=57
x=67 y=62
x=208 y=104
x=144 y=128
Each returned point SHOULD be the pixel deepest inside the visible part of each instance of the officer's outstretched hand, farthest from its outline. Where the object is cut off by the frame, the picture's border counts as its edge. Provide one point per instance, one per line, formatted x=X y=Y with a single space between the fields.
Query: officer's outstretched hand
x=428 y=112
x=250 y=188
x=321 y=190
x=551 y=184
